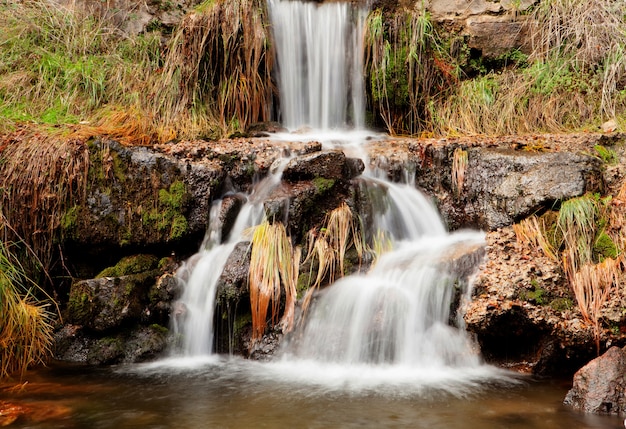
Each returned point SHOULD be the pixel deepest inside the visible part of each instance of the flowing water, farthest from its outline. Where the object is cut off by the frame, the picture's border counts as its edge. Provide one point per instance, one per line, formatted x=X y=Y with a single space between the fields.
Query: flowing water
x=320 y=63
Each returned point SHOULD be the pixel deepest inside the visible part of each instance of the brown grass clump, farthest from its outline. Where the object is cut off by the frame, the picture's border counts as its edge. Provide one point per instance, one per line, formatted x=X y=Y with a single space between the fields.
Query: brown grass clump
x=573 y=77
x=41 y=175
x=582 y=238
x=25 y=325
x=405 y=68
x=218 y=66
x=328 y=248
x=273 y=262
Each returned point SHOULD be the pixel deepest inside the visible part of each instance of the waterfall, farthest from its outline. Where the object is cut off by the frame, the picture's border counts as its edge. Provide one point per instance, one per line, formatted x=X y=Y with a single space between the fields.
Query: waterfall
x=194 y=312
x=319 y=51
x=400 y=313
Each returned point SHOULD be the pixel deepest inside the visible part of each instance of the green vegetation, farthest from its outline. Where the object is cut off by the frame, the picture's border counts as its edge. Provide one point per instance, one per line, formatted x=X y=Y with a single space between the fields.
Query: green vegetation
x=167 y=216
x=62 y=66
x=582 y=239
x=423 y=80
x=135 y=264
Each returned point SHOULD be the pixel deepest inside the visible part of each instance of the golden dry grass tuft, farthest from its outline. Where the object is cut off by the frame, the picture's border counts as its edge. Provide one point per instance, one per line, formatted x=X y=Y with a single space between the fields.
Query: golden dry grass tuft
x=42 y=175
x=273 y=262
x=25 y=324
x=586 y=238
x=218 y=68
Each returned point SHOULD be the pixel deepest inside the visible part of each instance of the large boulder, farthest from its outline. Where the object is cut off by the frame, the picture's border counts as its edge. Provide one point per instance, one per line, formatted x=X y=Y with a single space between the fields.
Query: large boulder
x=504 y=186
x=600 y=386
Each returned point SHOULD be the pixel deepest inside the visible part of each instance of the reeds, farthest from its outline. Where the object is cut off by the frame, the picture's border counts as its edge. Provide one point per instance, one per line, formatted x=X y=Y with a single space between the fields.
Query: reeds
x=218 y=66
x=327 y=248
x=42 y=176
x=571 y=80
x=572 y=239
x=406 y=67
x=273 y=262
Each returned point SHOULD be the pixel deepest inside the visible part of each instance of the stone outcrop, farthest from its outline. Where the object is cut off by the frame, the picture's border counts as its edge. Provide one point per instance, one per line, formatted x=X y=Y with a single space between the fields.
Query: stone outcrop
x=521 y=313
x=600 y=386
x=504 y=186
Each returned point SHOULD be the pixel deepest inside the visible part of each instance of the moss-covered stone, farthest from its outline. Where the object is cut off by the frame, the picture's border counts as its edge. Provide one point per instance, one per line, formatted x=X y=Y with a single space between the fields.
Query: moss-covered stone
x=135 y=264
x=167 y=216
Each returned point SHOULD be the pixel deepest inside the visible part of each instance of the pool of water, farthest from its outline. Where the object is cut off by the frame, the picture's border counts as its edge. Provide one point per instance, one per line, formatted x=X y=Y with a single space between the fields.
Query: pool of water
x=233 y=393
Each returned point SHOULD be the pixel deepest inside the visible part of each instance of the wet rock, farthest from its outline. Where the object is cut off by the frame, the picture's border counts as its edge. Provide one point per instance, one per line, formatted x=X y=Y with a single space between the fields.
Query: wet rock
x=329 y=164
x=110 y=302
x=233 y=283
x=600 y=386
x=79 y=345
x=231 y=204
x=264 y=129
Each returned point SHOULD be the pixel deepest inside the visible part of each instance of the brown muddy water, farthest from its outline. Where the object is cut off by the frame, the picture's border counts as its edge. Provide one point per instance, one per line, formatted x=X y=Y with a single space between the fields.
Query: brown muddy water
x=232 y=393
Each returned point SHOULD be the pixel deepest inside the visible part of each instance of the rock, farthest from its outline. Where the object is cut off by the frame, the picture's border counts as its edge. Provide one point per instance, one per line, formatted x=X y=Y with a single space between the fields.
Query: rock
x=110 y=302
x=600 y=386
x=76 y=344
x=263 y=129
x=609 y=126
x=329 y=164
x=495 y=35
x=233 y=283
x=503 y=186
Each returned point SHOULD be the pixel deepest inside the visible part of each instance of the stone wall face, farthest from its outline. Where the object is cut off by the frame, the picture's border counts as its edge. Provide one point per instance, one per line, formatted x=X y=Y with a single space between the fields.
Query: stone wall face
x=492 y=27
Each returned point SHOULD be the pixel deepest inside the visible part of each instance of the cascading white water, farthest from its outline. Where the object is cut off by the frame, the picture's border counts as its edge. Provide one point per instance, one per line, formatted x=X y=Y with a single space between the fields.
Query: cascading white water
x=397 y=313
x=194 y=311
x=320 y=63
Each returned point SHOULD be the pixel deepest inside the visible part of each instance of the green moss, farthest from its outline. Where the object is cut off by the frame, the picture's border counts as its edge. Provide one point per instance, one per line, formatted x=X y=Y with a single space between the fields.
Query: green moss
x=323 y=185
x=135 y=264
x=168 y=216
x=605 y=247
x=562 y=304
x=69 y=222
x=80 y=306
x=160 y=329
x=537 y=295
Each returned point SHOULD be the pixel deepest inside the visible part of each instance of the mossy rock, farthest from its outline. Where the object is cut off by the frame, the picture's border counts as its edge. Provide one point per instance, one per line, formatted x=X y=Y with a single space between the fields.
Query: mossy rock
x=135 y=264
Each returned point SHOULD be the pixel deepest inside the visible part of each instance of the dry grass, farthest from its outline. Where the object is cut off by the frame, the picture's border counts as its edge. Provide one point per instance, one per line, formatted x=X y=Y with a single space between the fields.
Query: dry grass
x=405 y=67
x=573 y=78
x=25 y=324
x=577 y=229
x=41 y=176
x=273 y=262
x=218 y=67
x=532 y=232
x=327 y=248
x=459 y=168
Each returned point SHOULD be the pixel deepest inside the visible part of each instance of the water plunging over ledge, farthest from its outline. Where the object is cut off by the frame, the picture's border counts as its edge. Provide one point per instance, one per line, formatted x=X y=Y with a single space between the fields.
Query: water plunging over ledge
x=320 y=63
x=395 y=324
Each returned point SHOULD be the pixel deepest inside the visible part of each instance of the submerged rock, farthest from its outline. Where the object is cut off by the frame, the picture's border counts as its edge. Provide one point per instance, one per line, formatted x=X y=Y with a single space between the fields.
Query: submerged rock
x=600 y=386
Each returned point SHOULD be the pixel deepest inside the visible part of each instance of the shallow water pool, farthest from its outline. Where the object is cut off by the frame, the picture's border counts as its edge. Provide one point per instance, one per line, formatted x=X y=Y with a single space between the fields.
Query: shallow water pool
x=233 y=393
